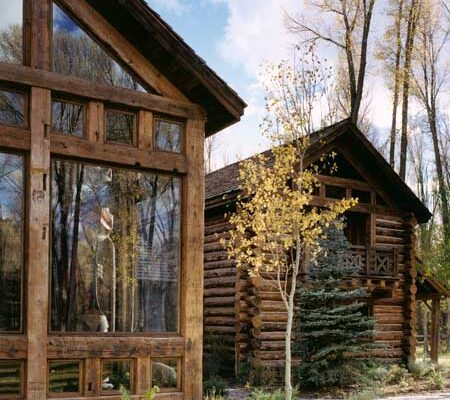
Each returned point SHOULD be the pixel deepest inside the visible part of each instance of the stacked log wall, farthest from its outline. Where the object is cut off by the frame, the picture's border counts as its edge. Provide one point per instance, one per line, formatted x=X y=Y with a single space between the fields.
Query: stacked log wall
x=393 y=231
x=220 y=298
x=247 y=316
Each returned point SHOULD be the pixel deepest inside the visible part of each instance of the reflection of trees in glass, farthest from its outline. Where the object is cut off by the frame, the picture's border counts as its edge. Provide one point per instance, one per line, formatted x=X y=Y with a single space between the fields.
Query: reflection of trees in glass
x=10 y=378
x=116 y=374
x=11 y=49
x=12 y=106
x=168 y=135
x=64 y=376
x=76 y=53
x=118 y=271
x=11 y=247
x=67 y=118
x=120 y=126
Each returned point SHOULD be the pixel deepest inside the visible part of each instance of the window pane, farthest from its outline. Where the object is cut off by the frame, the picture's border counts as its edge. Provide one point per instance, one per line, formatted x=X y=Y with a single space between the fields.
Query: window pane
x=335 y=192
x=10 y=378
x=164 y=374
x=11 y=43
x=12 y=108
x=363 y=196
x=76 y=53
x=116 y=374
x=68 y=118
x=11 y=256
x=120 y=127
x=64 y=376
x=115 y=249
x=168 y=135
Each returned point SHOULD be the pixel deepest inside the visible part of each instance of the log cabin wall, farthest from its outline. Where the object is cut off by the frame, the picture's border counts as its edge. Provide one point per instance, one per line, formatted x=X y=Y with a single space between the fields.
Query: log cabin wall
x=387 y=271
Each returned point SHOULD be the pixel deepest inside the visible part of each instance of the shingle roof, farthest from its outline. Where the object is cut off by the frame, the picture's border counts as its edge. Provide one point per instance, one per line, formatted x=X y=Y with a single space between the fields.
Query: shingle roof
x=225 y=180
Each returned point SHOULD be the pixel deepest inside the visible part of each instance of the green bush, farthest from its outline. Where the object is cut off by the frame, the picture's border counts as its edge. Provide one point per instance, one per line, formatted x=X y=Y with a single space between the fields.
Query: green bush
x=420 y=370
x=436 y=378
x=396 y=375
x=214 y=386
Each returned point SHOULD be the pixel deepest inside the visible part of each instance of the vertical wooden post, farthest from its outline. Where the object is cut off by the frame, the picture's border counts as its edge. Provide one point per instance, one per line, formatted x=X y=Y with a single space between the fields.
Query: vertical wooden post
x=38 y=244
x=435 y=324
x=192 y=260
x=410 y=289
x=95 y=122
x=38 y=55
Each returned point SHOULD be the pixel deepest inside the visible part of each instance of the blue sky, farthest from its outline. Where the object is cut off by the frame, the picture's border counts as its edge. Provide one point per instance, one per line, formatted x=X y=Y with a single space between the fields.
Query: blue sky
x=232 y=36
x=236 y=37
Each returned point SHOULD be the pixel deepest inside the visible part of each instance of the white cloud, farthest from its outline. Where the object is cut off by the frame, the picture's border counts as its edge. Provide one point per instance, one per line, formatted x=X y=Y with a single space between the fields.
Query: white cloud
x=256 y=32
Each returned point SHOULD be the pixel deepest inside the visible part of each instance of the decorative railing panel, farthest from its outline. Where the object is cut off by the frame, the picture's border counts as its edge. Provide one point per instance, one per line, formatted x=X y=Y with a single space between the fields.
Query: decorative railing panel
x=374 y=262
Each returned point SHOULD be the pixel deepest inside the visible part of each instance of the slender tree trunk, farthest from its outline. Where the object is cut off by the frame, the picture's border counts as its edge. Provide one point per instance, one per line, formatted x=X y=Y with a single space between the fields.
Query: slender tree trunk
x=411 y=33
x=288 y=360
x=425 y=332
x=368 y=12
x=440 y=172
x=398 y=56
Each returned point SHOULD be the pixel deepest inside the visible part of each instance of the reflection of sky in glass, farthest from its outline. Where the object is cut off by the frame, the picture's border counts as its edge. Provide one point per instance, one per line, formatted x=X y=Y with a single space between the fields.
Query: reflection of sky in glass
x=11 y=31
x=62 y=22
x=76 y=53
x=11 y=171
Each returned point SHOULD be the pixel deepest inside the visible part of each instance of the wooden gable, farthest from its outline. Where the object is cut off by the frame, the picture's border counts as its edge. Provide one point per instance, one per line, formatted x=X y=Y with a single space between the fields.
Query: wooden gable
x=95 y=154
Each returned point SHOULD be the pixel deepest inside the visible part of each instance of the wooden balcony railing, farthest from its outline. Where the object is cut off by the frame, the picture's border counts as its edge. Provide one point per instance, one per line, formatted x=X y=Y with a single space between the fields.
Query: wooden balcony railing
x=374 y=262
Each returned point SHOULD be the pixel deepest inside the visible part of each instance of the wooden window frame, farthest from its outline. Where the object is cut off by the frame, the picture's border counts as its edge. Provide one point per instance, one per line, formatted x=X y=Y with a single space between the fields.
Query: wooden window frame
x=179 y=373
x=182 y=124
x=63 y=6
x=22 y=90
x=103 y=335
x=74 y=101
x=35 y=345
x=122 y=110
x=22 y=379
x=24 y=229
x=81 y=371
x=133 y=375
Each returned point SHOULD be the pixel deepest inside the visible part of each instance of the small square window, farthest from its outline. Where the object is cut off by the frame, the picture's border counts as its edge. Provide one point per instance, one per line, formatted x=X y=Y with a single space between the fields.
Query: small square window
x=335 y=192
x=12 y=108
x=116 y=373
x=120 y=126
x=363 y=196
x=165 y=373
x=64 y=376
x=11 y=376
x=68 y=118
x=168 y=135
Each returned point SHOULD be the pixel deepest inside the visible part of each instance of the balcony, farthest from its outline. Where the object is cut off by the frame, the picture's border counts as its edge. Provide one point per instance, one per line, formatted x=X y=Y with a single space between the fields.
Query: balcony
x=378 y=268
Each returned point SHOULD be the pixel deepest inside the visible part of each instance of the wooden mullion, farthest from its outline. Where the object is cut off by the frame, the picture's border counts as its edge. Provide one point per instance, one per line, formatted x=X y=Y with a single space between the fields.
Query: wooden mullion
x=74 y=86
x=128 y=156
x=38 y=244
x=143 y=375
x=145 y=130
x=14 y=137
x=95 y=119
x=192 y=261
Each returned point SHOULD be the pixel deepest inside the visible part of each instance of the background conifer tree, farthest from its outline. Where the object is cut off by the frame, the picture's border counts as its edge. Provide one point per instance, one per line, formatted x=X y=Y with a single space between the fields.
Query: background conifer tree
x=334 y=330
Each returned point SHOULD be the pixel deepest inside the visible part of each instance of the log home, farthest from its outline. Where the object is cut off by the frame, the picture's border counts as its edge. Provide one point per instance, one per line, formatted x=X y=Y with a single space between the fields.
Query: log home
x=245 y=318
x=103 y=114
